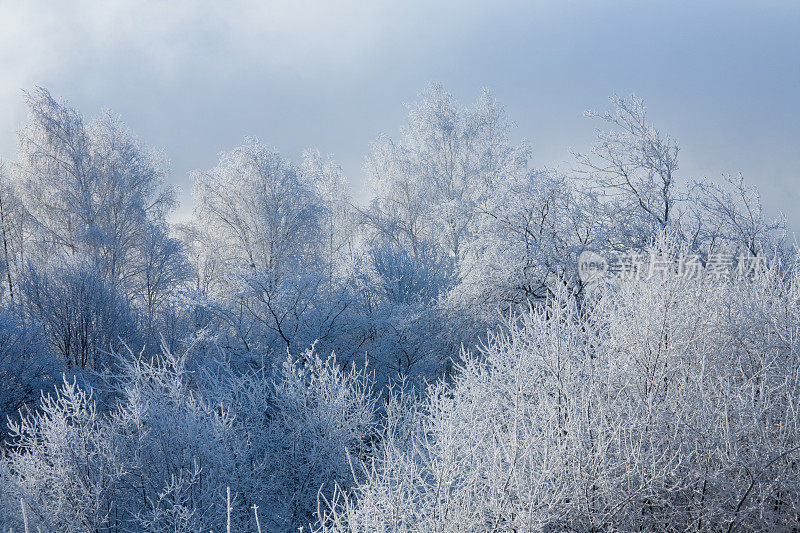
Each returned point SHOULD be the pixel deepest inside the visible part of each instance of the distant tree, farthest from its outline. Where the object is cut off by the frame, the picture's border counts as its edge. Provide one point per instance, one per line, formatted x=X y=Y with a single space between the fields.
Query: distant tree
x=729 y=215
x=404 y=328
x=26 y=366
x=5 y=231
x=84 y=315
x=437 y=191
x=91 y=189
x=531 y=229
x=268 y=228
x=339 y=222
x=633 y=169
x=261 y=208
x=95 y=203
x=429 y=184
x=12 y=230
x=163 y=268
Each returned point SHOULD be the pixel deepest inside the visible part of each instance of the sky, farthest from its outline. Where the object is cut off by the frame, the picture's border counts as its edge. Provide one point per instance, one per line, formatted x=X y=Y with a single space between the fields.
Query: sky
x=192 y=79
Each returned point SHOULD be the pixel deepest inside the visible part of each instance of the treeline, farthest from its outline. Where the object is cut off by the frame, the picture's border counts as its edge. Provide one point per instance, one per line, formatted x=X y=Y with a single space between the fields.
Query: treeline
x=146 y=368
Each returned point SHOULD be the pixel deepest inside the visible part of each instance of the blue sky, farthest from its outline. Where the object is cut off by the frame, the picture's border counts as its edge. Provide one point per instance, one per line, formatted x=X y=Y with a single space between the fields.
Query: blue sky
x=195 y=78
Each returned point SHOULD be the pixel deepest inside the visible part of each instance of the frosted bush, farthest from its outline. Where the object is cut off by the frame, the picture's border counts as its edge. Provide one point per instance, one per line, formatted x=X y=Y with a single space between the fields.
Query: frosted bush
x=663 y=404
x=164 y=457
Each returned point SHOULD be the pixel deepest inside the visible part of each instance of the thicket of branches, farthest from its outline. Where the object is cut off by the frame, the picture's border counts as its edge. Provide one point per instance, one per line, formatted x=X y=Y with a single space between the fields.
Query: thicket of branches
x=148 y=370
x=665 y=404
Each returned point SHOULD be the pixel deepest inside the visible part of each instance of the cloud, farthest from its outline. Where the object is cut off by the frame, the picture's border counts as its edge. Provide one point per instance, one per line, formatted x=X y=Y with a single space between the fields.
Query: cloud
x=47 y=42
x=195 y=77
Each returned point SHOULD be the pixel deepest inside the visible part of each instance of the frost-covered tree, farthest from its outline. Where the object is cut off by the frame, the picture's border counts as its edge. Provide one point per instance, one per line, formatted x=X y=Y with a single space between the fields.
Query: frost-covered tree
x=661 y=404
x=26 y=365
x=163 y=270
x=633 y=167
x=90 y=188
x=12 y=229
x=88 y=231
x=429 y=184
x=84 y=316
x=402 y=328
x=261 y=208
x=729 y=216
x=531 y=230
x=164 y=457
x=631 y=179
x=478 y=384
x=266 y=222
x=339 y=222
x=436 y=189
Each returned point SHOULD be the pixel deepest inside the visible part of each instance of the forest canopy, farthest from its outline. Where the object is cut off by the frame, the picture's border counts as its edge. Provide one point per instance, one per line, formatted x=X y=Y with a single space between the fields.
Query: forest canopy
x=430 y=360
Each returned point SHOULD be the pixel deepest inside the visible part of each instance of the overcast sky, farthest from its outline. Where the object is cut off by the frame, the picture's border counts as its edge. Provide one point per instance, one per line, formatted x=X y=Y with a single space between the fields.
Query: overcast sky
x=194 y=78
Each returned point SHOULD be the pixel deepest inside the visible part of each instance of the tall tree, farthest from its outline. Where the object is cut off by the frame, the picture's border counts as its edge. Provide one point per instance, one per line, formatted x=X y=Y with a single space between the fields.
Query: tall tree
x=91 y=189
x=633 y=168
x=429 y=183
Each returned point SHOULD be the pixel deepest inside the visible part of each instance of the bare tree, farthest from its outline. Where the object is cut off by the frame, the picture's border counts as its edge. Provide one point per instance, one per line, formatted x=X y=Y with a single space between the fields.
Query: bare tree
x=634 y=167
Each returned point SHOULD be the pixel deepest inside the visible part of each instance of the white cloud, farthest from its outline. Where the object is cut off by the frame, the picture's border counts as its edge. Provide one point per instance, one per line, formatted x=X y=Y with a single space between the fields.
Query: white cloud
x=193 y=77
